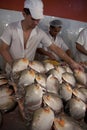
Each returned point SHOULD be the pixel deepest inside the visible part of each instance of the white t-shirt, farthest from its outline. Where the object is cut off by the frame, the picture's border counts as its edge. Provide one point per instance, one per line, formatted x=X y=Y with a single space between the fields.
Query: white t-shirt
x=82 y=40
x=58 y=42
x=13 y=36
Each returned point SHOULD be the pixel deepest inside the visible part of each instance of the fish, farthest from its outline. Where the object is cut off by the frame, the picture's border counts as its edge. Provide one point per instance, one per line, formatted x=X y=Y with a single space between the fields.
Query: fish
x=84 y=92
x=5 y=91
x=80 y=76
x=65 y=91
x=60 y=69
x=27 y=77
x=64 y=122
x=20 y=64
x=54 y=102
x=33 y=96
x=7 y=103
x=68 y=69
x=37 y=66
x=56 y=73
x=77 y=93
x=54 y=62
x=76 y=108
x=41 y=79
x=42 y=119
x=69 y=78
x=48 y=66
x=52 y=84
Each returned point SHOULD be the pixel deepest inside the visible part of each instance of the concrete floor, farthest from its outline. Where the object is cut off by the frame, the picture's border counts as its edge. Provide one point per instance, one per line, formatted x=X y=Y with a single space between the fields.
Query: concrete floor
x=13 y=121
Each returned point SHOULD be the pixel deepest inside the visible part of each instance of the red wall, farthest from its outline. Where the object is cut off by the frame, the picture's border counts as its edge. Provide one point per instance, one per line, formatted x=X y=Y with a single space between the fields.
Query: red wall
x=71 y=9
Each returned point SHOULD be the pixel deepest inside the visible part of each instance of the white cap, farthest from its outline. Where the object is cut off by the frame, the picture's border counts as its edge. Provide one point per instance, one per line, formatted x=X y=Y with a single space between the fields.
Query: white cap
x=35 y=7
x=56 y=23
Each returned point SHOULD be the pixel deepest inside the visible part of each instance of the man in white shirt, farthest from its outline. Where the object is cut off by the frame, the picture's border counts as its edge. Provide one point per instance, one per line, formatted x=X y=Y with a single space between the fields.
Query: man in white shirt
x=81 y=46
x=21 y=39
x=55 y=27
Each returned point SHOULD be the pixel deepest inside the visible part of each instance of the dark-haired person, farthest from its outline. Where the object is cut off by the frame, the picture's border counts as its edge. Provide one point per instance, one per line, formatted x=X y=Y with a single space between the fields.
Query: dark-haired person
x=53 y=32
x=21 y=39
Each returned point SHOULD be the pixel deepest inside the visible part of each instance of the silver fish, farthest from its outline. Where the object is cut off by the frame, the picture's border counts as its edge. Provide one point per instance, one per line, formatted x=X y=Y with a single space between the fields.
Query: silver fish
x=68 y=69
x=27 y=77
x=20 y=65
x=41 y=79
x=7 y=103
x=80 y=76
x=43 y=119
x=83 y=90
x=52 y=84
x=65 y=91
x=48 y=66
x=37 y=66
x=53 y=62
x=33 y=96
x=56 y=72
x=69 y=78
x=5 y=91
x=79 y=94
x=77 y=108
x=53 y=101
x=60 y=69
x=64 y=122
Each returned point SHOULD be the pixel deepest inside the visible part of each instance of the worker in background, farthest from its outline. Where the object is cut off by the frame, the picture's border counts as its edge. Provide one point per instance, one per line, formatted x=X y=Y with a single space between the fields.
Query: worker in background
x=21 y=38
x=81 y=46
x=55 y=27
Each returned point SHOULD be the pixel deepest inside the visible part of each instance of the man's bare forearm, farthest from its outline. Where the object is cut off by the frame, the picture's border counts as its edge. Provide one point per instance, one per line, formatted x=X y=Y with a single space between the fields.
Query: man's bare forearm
x=7 y=57
x=62 y=54
x=81 y=49
x=4 y=51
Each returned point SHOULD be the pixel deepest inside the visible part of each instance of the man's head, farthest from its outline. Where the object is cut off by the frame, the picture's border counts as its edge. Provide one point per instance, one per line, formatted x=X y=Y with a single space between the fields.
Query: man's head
x=56 y=23
x=35 y=8
x=55 y=27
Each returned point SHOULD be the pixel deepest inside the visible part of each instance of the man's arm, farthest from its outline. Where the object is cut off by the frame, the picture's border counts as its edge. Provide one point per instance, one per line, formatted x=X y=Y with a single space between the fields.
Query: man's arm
x=4 y=51
x=45 y=53
x=58 y=51
x=81 y=49
x=68 y=52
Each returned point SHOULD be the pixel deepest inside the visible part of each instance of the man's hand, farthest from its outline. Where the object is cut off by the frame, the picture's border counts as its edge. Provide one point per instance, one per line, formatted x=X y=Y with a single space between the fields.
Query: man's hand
x=76 y=65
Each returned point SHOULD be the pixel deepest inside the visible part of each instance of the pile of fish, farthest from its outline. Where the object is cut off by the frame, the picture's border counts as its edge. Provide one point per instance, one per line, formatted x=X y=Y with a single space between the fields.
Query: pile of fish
x=50 y=96
x=7 y=102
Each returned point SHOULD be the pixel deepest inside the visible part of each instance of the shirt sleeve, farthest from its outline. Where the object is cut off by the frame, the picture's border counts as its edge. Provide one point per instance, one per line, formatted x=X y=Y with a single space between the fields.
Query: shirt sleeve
x=61 y=43
x=81 y=38
x=7 y=35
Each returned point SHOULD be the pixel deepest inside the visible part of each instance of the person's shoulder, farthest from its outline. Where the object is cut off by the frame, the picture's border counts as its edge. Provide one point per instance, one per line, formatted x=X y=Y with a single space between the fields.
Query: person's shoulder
x=14 y=24
x=82 y=33
x=84 y=30
x=59 y=37
x=40 y=30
